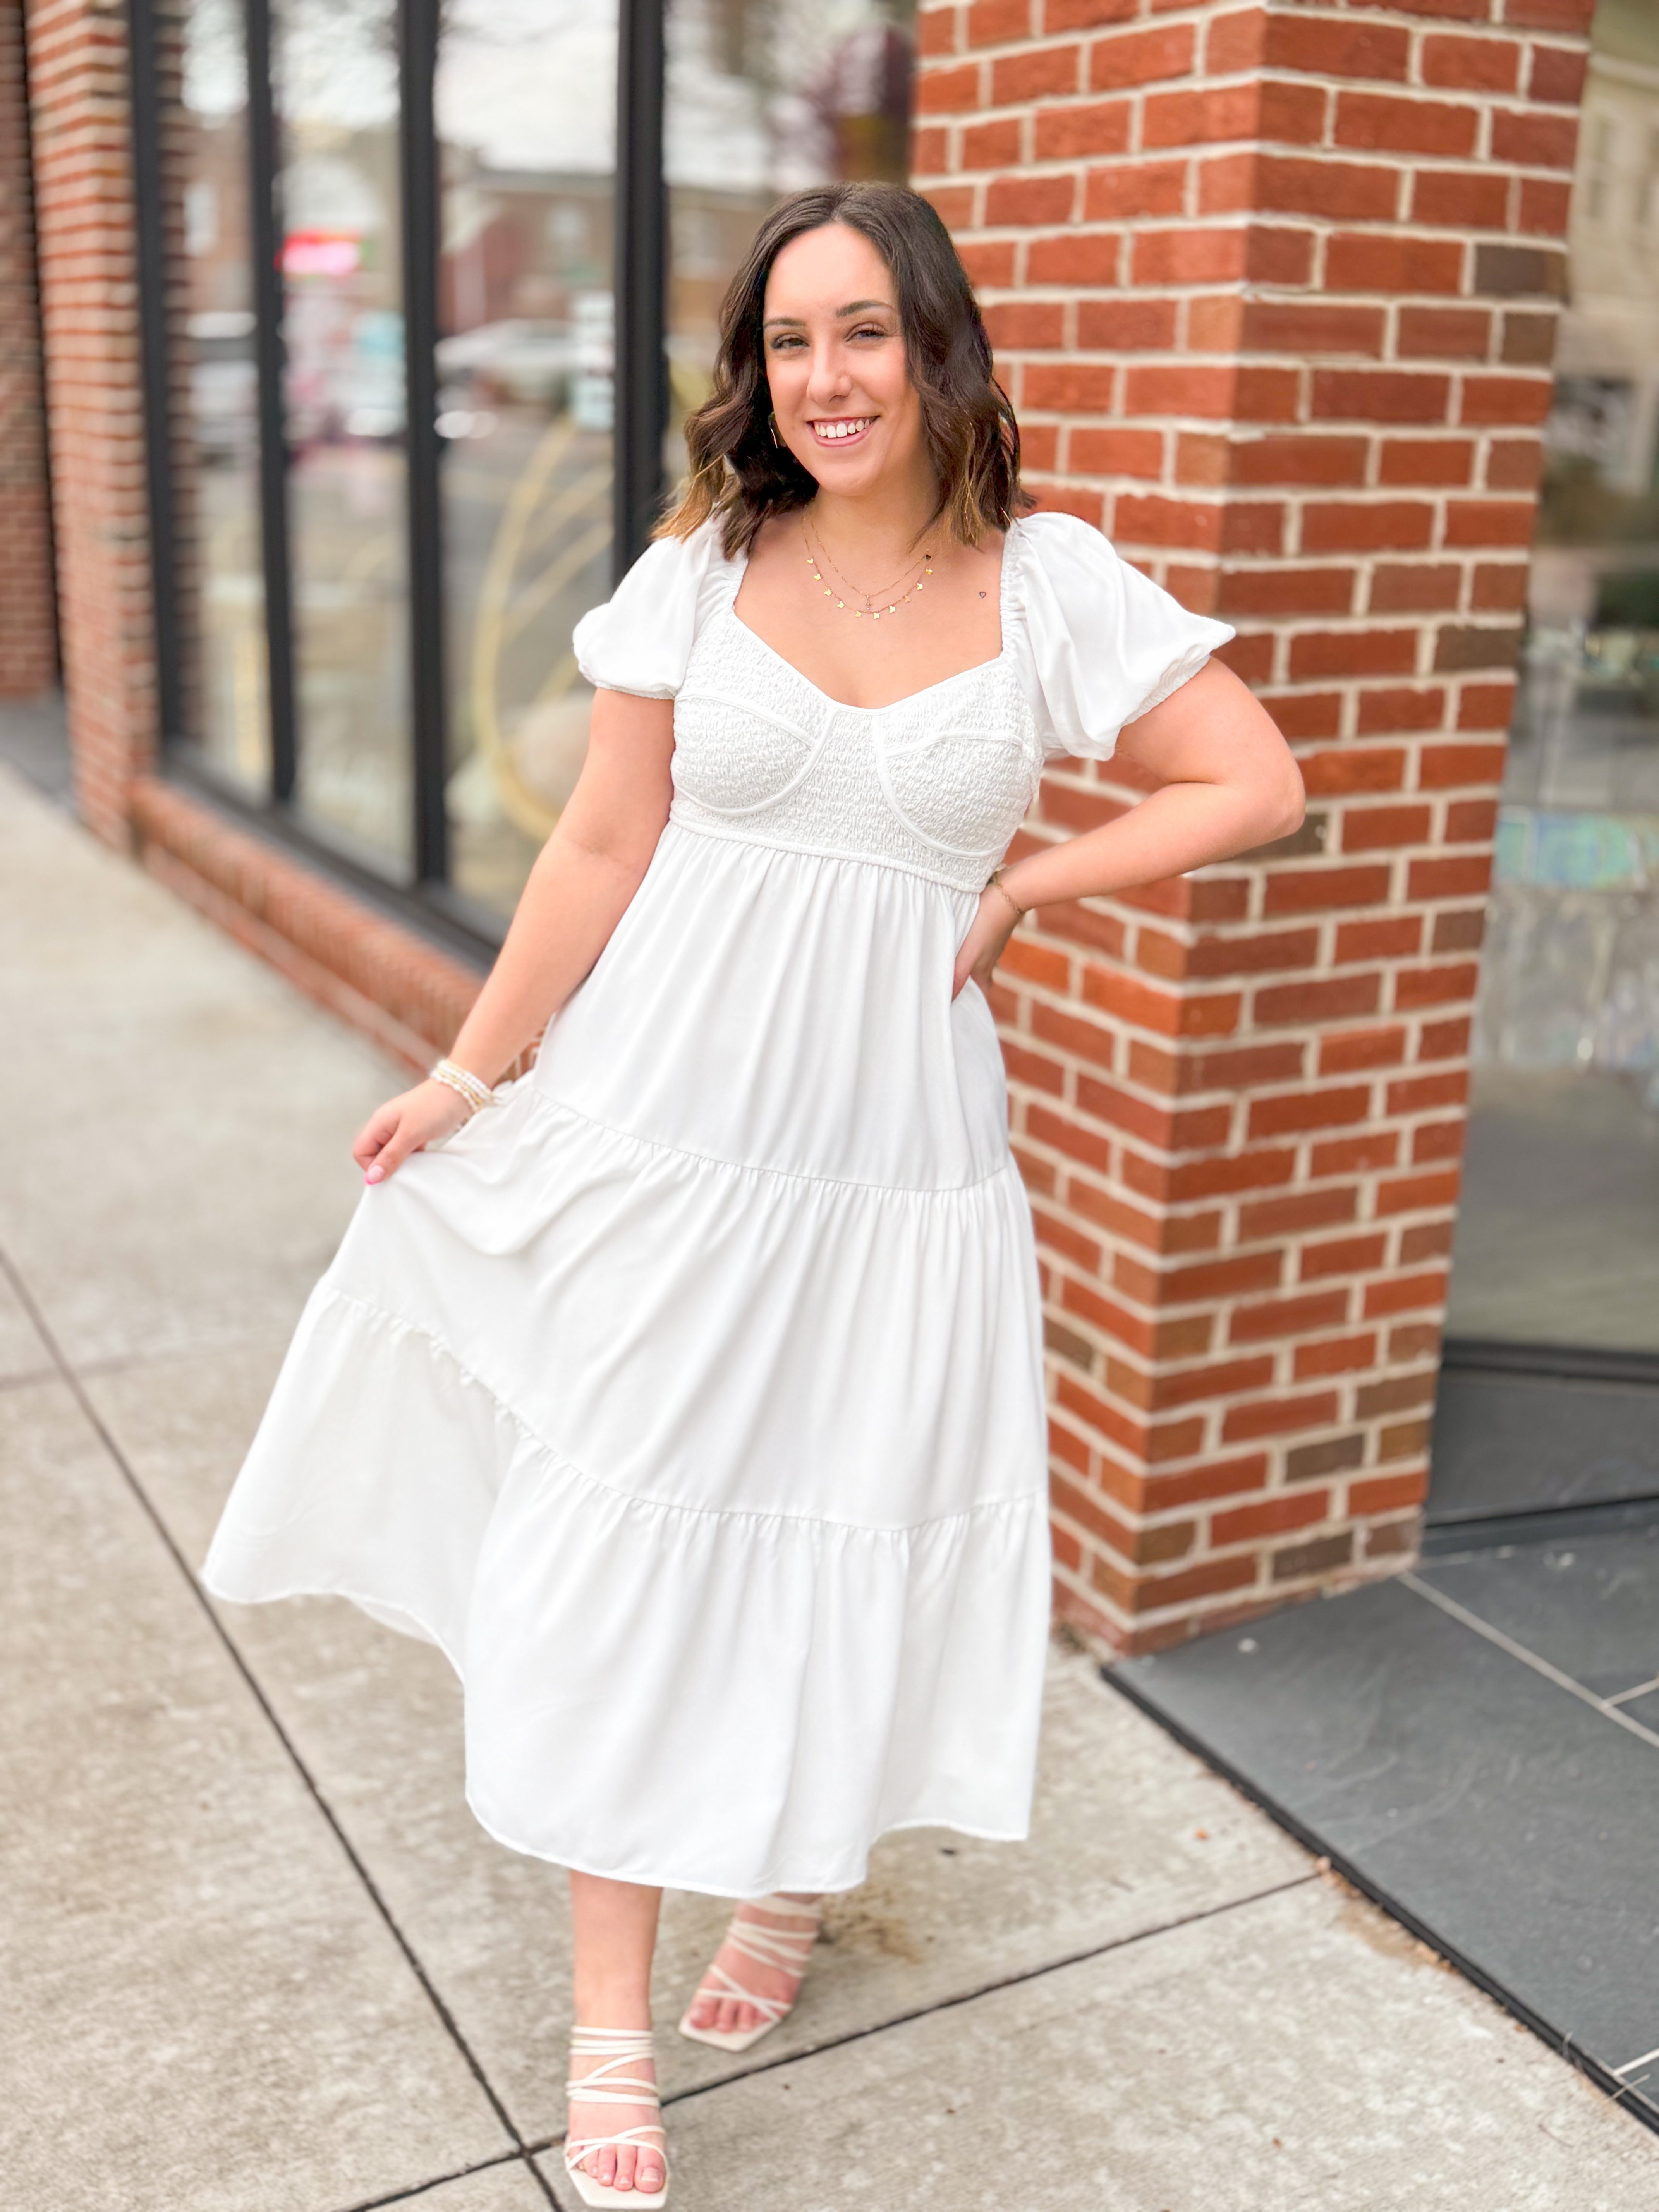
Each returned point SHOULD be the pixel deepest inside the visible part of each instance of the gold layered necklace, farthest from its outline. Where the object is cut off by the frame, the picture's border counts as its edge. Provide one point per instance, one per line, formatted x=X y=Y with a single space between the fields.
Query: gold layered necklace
x=872 y=600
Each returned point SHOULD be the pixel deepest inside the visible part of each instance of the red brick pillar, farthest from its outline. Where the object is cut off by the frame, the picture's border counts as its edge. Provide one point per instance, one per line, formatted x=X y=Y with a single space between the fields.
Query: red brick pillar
x=78 y=84
x=28 y=643
x=1273 y=290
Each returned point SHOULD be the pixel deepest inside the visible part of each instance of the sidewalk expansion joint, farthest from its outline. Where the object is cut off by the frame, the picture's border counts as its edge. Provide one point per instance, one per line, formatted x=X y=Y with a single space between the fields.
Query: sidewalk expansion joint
x=988 y=1989
x=416 y=2189
x=77 y=1390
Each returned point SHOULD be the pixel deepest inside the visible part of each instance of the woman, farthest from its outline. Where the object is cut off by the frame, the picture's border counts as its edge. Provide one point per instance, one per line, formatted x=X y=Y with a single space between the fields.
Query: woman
x=690 y=1397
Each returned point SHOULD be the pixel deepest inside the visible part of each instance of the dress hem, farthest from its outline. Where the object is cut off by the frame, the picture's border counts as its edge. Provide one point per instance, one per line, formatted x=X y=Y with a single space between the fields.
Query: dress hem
x=405 y=1623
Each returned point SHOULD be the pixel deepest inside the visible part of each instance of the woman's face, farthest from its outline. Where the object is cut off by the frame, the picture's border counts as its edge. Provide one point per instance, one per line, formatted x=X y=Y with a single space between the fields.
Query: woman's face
x=835 y=363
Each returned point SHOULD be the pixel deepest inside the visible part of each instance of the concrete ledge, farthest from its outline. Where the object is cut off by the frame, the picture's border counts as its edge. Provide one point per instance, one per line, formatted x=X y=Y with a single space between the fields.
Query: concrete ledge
x=385 y=981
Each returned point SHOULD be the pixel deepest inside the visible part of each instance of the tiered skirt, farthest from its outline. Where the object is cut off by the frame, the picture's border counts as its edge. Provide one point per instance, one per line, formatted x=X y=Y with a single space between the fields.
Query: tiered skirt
x=691 y=1400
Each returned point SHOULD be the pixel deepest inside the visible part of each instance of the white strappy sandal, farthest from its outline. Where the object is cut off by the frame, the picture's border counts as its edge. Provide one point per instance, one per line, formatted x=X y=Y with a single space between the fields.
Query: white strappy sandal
x=788 y=1949
x=617 y=2047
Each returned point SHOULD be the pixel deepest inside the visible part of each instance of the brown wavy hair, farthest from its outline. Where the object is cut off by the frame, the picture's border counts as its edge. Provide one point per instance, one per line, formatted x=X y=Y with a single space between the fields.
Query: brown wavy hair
x=740 y=474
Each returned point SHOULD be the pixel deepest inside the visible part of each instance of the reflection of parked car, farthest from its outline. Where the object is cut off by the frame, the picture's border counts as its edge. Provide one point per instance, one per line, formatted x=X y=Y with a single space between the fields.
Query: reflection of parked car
x=224 y=384
x=517 y=359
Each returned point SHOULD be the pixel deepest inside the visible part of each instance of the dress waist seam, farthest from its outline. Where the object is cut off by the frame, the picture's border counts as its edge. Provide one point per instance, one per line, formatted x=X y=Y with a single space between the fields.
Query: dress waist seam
x=810 y=851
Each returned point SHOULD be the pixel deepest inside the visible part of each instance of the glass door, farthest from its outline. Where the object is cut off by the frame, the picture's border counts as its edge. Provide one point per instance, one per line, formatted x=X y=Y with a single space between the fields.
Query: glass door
x=1555 y=1277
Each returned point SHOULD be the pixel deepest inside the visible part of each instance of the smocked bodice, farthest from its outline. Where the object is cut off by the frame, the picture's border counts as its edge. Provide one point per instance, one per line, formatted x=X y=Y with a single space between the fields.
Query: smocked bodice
x=936 y=784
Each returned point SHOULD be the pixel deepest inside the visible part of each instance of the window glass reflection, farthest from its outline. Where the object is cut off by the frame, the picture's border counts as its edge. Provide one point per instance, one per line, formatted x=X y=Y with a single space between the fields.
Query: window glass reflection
x=1558 y=1240
x=219 y=577
x=336 y=86
x=525 y=99
x=764 y=100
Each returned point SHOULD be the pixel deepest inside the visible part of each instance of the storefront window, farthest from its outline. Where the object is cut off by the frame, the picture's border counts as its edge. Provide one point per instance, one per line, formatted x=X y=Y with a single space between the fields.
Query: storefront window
x=342 y=392
x=526 y=113
x=372 y=199
x=219 y=577
x=1558 y=1239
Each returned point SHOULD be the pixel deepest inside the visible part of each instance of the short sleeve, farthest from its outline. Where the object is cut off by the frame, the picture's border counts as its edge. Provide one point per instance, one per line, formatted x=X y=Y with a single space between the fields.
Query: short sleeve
x=641 y=639
x=1103 y=644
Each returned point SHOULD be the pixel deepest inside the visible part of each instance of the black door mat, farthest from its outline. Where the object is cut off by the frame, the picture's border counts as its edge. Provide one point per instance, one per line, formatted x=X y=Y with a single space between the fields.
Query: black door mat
x=1476 y=1745
x=1525 y=1428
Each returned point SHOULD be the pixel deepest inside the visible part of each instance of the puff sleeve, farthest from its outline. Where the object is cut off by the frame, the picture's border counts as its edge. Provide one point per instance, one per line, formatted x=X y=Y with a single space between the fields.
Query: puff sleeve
x=641 y=639
x=1101 y=643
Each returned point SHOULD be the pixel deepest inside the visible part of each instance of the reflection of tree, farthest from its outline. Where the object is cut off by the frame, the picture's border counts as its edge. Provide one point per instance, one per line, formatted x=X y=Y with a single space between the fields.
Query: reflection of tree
x=574 y=520
x=337 y=62
x=1579 y=507
x=829 y=85
x=861 y=96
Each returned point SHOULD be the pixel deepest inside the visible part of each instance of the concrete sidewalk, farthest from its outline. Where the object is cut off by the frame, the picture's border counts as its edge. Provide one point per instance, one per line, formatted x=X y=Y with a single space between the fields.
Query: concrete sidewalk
x=258 y=1957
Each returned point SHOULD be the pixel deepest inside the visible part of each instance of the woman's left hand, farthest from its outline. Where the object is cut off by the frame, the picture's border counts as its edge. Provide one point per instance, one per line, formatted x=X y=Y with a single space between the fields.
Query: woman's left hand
x=980 y=949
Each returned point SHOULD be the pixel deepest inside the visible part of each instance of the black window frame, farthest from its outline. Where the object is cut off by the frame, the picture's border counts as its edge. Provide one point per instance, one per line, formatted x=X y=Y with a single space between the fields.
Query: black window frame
x=426 y=897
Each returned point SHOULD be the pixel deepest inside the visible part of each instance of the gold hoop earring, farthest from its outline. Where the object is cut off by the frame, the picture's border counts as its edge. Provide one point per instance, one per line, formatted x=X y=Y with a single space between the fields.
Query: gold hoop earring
x=773 y=419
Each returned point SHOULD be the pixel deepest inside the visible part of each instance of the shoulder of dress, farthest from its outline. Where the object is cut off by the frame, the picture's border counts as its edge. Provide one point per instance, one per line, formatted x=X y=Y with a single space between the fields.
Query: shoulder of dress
x=1049 y=536
x=705 y=546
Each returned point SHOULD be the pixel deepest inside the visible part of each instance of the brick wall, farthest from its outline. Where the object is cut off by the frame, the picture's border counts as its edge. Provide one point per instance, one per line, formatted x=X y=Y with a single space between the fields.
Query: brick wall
x=78 y=85
x=28 y=645
x=1275 y=291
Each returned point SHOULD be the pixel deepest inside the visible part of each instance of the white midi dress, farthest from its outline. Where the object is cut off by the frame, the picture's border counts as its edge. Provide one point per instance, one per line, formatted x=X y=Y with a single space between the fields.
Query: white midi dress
x=691 y=1400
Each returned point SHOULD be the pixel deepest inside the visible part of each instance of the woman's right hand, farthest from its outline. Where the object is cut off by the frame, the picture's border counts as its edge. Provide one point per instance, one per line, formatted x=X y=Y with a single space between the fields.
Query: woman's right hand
x=406 y=1124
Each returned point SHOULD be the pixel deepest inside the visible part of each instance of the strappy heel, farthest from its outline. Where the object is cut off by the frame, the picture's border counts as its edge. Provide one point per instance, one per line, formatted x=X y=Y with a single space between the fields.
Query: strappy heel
x=617 y=2047
x=786 y=1948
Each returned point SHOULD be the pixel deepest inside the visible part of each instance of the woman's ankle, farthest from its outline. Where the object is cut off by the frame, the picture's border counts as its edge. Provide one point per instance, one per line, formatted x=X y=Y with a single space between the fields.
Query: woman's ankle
x=606 y=2001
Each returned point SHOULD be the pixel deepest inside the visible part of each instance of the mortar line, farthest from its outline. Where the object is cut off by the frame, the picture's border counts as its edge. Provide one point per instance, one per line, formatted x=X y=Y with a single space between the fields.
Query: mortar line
x=1450 y=1605
x=26 y=1298
x=990 y=1989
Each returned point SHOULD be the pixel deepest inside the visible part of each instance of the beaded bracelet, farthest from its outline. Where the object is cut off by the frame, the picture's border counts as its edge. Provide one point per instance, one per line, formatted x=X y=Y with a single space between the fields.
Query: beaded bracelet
x=478 y=1095
x=1002 y=890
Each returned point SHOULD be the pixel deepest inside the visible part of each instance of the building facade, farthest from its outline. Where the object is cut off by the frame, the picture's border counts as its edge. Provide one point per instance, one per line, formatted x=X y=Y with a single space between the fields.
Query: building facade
x=1277 y=291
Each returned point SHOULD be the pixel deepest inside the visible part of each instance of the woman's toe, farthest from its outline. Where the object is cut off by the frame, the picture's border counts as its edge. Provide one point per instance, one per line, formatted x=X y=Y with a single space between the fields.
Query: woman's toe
x=648 y=2177
x=624 y=2170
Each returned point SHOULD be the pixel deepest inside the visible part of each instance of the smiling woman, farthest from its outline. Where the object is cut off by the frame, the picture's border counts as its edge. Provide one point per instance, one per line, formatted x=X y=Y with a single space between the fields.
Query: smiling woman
x=908 y=331
x=693 y=1401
